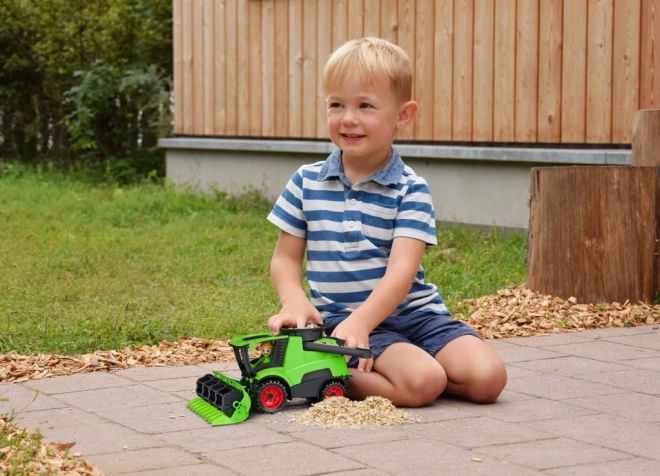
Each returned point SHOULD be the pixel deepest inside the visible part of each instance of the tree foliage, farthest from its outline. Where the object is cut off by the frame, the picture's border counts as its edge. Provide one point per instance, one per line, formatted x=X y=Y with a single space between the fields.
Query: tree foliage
x=84 y=81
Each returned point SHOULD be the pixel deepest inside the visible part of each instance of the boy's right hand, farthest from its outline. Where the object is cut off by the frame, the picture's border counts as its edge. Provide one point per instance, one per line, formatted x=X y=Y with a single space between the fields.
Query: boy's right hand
x=296 y=316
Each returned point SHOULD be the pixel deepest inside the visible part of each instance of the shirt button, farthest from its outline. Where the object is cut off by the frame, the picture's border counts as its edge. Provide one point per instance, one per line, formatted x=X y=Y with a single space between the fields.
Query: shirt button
x=351 y=223
x=353 y=201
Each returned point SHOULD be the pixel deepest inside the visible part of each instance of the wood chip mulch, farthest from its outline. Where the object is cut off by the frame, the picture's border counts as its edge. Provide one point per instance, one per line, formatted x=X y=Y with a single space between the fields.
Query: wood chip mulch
x=49 y=458
x=513 y=311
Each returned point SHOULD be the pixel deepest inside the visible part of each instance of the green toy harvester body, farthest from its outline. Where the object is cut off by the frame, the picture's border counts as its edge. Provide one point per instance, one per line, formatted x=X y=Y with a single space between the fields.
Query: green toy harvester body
x=298 y=363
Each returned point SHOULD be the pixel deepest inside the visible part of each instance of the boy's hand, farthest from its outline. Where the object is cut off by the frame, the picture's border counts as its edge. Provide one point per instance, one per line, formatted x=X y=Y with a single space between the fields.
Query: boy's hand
x=297 y=316
x=355 y=336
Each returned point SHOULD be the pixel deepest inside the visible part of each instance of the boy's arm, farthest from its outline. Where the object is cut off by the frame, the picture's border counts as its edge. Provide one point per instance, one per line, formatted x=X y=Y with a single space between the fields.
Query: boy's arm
x=286 y=272
x=405 y=257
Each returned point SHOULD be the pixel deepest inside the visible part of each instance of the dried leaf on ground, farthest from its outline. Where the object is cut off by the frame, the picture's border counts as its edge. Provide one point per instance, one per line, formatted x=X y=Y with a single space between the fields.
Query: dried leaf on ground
x=50 y=458
x=342 y=412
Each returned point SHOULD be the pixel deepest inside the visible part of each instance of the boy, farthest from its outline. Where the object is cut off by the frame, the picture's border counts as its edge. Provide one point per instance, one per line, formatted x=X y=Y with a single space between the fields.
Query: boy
x=364 y=218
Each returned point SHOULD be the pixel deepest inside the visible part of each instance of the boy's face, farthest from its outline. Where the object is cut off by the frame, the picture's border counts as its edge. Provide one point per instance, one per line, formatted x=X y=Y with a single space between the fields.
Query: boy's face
x=363 y=118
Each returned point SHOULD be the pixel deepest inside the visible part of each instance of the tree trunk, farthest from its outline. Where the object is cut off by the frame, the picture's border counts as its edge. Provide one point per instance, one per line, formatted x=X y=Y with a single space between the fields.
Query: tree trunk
x=593 y=233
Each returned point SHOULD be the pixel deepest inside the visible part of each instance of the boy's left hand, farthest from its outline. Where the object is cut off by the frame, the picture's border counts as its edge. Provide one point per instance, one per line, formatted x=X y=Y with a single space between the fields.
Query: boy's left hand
x=355 y=336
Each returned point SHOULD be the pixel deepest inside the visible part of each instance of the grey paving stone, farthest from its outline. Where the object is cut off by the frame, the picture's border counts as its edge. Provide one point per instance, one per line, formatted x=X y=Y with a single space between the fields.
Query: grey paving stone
x=572 y=366
x=628 y=467
x=514 y=371
x=499 y=344
x=626 y=405
x=605 y=351
x=201 y=469
x=145 y=374
x=525 y=354
x=426 y=457
x=622 y=434
x=532 y=410
x=650 y=364
x=210 y=439
x=552 y=453
x=648 y=340
x=56 y=418
x=637 y=380
x=555 y=387
x=553 y=339
x=142 y=460
x=100 y=438
x=331 y=438
x=291 y=459
x=15 y=397
x=616 y=331
x=441 y=410
x=156 y=418
x=171 y=385
x=78 y=382
x=476 y=432
x=116 y=398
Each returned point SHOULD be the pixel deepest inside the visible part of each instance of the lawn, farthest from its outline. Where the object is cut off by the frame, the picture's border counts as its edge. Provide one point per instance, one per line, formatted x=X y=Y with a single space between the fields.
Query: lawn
x=89 y=266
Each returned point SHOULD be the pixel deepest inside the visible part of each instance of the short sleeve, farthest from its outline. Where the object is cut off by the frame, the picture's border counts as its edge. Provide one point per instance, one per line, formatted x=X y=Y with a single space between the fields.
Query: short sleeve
x=287 y=213
x=416 y=217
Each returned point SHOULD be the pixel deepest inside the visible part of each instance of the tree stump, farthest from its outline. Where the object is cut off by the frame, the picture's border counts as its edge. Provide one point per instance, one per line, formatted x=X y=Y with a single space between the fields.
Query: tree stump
x=593 y=233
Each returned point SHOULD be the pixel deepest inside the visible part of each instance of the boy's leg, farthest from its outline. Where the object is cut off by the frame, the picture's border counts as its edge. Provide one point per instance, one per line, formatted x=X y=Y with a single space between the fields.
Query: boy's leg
x=402 y=373
x=474 y=372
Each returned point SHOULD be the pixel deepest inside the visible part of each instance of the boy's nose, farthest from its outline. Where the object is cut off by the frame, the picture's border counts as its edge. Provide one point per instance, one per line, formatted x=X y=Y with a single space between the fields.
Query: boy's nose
x=349 y=118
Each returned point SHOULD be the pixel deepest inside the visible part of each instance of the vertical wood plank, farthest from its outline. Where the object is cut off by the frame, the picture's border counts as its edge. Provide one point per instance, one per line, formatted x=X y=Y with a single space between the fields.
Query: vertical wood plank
x=178 y=65
x=462 y=81
x=574 y=72
x=188 y=74
x=406 y=35
x=625 y=69
x=268 y=68
x=389 y=20
x=650 y=55
x=504 y=89
x=198 y=67
x=371 y=17
x=550 y=66
x=484 y=28
x=309 y=119
x=323 y=50
x=255 y=73
x=339 y=23
x=243 y=110
x=599 y=71
x=209 y=101
x=443 y=78
x=527 y=62
x=281 y=58
x=219 y=65
x=231 y=73
x=424 y=68
x=355 y=19
x=295 y=68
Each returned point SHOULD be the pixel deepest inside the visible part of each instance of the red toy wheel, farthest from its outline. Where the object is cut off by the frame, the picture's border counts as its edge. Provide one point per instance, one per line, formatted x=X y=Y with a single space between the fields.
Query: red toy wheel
x=335 y=388
x=270 y=396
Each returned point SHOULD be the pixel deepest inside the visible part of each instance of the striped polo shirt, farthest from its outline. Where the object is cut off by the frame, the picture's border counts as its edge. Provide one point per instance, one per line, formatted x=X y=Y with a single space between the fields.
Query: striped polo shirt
x=349 y=230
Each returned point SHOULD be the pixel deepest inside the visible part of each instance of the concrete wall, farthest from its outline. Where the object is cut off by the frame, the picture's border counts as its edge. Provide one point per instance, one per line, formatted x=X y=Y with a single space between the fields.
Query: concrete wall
x=480 y=186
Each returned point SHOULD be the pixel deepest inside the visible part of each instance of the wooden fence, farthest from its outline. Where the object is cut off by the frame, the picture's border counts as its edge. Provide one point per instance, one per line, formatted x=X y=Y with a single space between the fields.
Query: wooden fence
x=502 y=71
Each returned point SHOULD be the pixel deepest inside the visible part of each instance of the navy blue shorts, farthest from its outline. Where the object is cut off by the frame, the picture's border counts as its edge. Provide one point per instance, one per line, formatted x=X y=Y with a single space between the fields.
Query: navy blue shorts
x=428 y=331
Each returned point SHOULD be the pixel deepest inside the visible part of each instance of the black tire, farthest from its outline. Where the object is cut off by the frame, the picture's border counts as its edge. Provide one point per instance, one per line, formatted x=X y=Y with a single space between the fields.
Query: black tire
x=270 y=396
x=333 y=388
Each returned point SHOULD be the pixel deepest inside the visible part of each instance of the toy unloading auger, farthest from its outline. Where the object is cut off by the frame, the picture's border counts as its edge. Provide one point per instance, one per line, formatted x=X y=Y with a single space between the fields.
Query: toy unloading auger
x=298 y=363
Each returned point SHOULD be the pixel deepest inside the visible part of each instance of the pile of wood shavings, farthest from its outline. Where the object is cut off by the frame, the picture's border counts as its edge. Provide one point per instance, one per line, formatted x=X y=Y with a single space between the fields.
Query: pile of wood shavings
x=342 y=412
x=19 y=368
x=52 y=458
x=518 y=311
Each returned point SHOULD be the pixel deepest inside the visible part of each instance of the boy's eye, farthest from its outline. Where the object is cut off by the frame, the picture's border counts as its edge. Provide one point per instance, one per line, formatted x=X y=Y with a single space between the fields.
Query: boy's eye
x=365 y=105
x=334 y=104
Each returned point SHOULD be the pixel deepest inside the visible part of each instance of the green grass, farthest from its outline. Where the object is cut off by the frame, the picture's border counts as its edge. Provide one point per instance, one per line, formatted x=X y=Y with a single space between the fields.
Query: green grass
x=89 y=266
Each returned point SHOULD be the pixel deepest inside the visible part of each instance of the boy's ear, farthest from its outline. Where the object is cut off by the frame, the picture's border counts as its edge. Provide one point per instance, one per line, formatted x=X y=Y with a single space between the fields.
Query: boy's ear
x=406 y=114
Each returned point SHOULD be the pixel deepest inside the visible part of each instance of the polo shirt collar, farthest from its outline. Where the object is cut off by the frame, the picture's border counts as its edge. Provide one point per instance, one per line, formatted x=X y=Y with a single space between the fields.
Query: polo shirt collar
x=388 y=175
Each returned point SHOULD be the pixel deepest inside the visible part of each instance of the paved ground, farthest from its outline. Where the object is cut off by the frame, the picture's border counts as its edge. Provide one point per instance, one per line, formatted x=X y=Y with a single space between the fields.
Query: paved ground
x=576 y=404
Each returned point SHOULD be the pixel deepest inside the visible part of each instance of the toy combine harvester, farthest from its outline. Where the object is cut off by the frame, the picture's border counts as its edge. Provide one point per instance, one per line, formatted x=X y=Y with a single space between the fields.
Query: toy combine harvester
x=298 y=363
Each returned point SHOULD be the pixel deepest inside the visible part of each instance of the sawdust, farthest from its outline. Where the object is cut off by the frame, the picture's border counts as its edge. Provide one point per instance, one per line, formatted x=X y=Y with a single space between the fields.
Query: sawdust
x=49 y=458
x=342 y=412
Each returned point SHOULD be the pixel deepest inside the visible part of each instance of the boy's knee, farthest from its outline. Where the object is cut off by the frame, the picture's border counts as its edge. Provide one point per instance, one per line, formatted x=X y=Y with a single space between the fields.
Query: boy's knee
x=489 y=383
x=424 y=389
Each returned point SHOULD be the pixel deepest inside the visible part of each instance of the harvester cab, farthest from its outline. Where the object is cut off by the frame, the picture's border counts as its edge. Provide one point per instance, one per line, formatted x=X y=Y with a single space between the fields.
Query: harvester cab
x=297 y=363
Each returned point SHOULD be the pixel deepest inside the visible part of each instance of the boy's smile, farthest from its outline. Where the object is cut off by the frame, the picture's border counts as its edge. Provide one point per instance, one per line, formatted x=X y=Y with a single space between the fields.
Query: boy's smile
x=363 y=117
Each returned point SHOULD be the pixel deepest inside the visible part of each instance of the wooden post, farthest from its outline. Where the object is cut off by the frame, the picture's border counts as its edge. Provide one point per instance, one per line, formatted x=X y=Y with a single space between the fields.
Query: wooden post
x=646 y=138
x=592 y=233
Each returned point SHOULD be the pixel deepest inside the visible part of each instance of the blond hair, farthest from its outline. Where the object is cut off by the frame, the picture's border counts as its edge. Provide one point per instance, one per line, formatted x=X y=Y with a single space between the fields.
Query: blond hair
x=375 y=59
